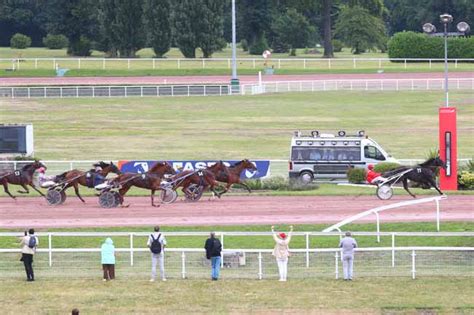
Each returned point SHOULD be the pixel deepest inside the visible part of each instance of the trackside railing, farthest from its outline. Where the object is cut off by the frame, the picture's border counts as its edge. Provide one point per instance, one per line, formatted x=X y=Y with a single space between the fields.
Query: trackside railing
x=309 y=257
x=246 y=63
x=357 y=85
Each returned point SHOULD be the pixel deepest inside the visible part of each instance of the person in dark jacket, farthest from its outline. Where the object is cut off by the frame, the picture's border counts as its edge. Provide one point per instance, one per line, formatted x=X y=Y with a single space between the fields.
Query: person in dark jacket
x=213 y=252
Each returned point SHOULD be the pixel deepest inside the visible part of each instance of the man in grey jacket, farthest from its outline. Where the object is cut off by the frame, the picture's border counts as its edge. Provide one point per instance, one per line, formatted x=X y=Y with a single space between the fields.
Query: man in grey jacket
x=28 y=244
x=347 y=245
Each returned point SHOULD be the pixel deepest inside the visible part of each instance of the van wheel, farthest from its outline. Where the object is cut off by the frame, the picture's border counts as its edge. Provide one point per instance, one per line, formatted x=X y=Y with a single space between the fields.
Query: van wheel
x=306 y=178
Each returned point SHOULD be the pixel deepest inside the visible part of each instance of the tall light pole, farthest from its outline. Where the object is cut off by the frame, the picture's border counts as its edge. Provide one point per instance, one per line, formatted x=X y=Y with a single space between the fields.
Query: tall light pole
x=234 y=82
x=447 y=115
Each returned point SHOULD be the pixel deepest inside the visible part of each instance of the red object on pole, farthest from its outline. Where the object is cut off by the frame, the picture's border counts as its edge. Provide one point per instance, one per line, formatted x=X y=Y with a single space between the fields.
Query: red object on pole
x=448 y=148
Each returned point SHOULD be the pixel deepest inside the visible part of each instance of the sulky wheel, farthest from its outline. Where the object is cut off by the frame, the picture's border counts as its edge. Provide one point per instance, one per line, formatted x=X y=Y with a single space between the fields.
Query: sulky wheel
x=384 y=192
x=55 y=197
x=196 y=193
x=168 y=196
x=109 y=199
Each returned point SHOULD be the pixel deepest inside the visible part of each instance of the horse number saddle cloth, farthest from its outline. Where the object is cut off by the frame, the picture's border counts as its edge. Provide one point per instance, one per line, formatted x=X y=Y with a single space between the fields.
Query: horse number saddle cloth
x=93 y=179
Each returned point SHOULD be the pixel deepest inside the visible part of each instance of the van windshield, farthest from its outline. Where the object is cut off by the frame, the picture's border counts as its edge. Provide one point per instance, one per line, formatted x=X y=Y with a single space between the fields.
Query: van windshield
x=325 y=154
x=371 y=152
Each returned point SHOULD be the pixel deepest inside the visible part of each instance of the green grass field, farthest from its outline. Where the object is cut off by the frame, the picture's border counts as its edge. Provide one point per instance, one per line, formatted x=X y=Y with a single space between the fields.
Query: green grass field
x=142 y=67
x=404 y=123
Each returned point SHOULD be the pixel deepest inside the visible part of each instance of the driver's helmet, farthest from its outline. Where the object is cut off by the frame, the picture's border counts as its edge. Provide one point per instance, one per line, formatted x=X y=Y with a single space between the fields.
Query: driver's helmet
x=41 y=170
x=370 y=167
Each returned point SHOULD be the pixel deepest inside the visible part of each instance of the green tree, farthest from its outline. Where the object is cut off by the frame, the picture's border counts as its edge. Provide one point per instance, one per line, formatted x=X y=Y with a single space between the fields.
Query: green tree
x=327 y=28
x=292 y=29
x=107 y=39
x=358 y=29
x=211 y=27
x=185 y=22
x=128 y=27
x=157 y=22
x=254 y=20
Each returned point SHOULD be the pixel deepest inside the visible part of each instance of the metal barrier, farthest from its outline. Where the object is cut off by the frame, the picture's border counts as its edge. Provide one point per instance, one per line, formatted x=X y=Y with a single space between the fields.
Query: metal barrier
x=207 y=63
x=357 y=85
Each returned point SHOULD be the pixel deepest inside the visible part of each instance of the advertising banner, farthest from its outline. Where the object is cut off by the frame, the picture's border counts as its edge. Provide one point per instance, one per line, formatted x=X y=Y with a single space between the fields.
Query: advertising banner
x=142 y=166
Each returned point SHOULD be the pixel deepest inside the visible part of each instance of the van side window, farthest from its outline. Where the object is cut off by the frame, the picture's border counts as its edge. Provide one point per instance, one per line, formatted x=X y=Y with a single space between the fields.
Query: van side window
x=371 y=152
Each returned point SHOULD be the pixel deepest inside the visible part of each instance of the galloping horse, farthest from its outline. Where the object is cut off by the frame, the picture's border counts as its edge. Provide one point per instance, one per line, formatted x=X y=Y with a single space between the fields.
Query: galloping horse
x=232 y=175
x=75 y=177
x=423 y=173
x=204 y=178
x=150 y=180
x=21 y=177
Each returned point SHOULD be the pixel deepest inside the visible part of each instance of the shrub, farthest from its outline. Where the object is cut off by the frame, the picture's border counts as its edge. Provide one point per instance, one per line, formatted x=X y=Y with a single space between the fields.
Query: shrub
x=259 y=46
x=82 y=47
x=20 y=41
x=337 y=45
x=418 y=45
x=55 y=41
x=466 y=180
x=244 y=45
x=385 y=166
x=278 y=183
x=356 y=175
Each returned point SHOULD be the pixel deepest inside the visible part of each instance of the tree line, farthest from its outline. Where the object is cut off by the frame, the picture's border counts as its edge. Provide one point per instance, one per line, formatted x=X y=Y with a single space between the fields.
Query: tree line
x=122 y=27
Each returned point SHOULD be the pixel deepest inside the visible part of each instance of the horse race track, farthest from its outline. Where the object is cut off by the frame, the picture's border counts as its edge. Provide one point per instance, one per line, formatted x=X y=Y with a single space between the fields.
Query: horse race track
x=230 y=210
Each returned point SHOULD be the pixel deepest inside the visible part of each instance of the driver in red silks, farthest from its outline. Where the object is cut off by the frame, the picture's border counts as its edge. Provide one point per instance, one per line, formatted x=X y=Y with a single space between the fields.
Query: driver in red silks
x=372 y=176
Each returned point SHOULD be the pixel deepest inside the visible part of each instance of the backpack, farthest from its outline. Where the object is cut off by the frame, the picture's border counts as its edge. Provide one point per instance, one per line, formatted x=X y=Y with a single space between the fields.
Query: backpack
x=32 y=242
x=155 y=246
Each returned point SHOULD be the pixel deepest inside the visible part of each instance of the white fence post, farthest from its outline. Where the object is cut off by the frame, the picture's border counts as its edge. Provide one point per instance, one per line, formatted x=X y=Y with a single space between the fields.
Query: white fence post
x=336 y=263
x=103 y=64
x=179 y=64
x=413 y=264
x=183 y=265
x=128 y=64
x=153 y=63
x=393 y=250
x=78 y=63
x=354 y=63
x=437 y=214
x=260 y=272
x=329 y=63
x=279 y=63
x=36 y=63
x=131 y=249
x=50 y=250
x=307 y=250
x=222 y=248
x=378 y=226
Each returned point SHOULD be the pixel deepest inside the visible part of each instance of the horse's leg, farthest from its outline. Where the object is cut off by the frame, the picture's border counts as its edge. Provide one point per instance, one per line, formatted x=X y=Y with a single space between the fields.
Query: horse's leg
x=153 y=198
x=405 y=185
x=122 y=193
x=34 y=187
x=245 y=185
x=5 y=187
x=27 y=191
x=76 y=190
x=432 y=182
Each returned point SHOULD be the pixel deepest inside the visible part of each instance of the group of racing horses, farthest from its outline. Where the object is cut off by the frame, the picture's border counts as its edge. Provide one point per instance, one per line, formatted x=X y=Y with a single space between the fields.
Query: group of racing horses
x=154 y=179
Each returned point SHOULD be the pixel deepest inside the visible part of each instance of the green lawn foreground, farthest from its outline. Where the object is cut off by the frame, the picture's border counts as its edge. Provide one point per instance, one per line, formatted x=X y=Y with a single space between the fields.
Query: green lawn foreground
x=440 y=295
x=233 y=127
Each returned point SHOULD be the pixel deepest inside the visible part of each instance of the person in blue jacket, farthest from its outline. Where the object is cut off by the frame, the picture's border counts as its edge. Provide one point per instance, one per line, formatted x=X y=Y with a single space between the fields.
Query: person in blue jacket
x=107 y=252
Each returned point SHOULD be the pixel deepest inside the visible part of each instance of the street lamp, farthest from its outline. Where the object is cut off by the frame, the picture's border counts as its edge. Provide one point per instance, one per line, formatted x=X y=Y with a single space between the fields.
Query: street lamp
x=447 y=115
x=234 y=82
x=430 y=29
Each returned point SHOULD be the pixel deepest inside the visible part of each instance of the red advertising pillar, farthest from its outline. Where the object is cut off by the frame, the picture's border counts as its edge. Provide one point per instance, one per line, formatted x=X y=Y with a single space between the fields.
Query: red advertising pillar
x=448 y=148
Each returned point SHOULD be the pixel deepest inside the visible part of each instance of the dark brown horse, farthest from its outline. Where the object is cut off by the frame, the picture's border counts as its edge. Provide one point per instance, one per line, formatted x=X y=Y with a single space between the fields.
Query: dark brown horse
x=74 y=178
x=232 y=175
x=23 y=177
x=150 y=180
x=202 y=178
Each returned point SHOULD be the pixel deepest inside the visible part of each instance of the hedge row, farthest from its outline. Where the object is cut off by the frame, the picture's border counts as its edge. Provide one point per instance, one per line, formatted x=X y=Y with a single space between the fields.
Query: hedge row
x=419 y=45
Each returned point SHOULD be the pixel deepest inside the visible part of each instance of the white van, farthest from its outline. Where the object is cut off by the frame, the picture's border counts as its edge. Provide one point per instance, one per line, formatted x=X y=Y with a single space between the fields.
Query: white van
x=328 y=156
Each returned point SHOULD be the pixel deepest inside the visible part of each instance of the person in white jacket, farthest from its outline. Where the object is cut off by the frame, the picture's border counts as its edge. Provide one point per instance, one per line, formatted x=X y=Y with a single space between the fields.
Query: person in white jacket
x=28 y=244
x=282 y=251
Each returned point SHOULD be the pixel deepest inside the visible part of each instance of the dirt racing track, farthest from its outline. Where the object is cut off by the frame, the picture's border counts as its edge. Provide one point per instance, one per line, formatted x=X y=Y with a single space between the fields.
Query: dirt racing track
x=230 y=210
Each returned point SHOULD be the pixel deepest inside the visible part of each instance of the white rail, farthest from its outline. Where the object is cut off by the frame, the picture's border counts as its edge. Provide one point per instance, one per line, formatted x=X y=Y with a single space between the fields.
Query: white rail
x=376 y=211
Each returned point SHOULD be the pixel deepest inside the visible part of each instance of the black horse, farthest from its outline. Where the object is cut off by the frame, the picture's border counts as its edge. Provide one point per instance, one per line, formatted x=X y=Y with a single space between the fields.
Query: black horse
x=23 y=177
x=423 y=174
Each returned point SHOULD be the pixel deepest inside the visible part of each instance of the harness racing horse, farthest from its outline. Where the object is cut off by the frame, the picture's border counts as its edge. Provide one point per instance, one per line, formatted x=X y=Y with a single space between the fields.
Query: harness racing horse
x=232 y=176
x=21 y=177
x=150 y=180
x=201 y=178
x=423 y=174
x=74 y=178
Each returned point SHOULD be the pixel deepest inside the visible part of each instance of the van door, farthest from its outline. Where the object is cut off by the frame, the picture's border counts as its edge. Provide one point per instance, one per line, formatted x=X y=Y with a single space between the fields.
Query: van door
x=372 y=153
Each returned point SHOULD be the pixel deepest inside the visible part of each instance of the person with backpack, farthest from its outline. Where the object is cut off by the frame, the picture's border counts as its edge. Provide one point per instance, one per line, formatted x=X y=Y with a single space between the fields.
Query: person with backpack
x=29 y=243
x=107 y=252
x=213 y=249
x=157 y=243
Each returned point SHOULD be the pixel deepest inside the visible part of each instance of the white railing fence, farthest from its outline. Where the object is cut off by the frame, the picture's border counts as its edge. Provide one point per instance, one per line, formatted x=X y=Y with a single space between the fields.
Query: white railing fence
x=357 y=85
x=306 y=260
x=226 y=63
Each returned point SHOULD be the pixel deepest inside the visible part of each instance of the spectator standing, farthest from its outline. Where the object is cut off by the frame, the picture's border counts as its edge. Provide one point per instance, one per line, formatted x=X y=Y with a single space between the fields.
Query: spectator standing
x=107 y=252
x=157 y=243
x=29 y=243
x=282 y=251
x=347 y=246
x=213 y=249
